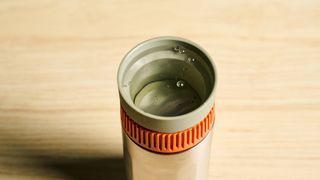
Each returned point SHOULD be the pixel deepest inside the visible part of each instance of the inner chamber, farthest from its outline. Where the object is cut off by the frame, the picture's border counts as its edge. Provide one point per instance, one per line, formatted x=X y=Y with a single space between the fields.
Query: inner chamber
x=169 y=79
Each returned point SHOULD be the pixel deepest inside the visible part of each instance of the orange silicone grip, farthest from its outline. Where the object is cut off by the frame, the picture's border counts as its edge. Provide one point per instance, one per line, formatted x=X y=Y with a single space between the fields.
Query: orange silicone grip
x=167 y=142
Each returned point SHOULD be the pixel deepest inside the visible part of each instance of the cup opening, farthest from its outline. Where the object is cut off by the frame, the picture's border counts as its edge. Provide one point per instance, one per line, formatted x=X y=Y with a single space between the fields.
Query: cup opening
x=168 y=77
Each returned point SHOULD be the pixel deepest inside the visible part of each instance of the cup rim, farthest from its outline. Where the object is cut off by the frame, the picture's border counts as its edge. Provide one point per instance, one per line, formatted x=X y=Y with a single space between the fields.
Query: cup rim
x=142 y=117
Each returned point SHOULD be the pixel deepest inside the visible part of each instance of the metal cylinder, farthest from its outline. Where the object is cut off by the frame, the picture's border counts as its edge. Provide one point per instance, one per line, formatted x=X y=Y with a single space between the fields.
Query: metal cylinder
x=166 y=88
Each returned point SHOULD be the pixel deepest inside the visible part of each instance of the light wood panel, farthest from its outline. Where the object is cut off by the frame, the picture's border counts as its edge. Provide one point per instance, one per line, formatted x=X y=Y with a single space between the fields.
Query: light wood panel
x=59 y=108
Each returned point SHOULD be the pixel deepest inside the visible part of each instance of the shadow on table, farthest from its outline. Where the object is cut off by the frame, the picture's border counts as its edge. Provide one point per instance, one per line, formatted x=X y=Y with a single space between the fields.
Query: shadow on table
x=111 y=168
x=69 y=166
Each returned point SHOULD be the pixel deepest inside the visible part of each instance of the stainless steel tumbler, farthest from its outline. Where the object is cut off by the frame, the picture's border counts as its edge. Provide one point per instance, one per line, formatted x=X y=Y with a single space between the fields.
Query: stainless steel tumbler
x=166 y=88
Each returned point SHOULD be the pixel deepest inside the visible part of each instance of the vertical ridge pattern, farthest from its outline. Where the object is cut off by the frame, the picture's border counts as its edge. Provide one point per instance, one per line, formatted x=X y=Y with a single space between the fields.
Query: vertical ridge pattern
x=167 y=142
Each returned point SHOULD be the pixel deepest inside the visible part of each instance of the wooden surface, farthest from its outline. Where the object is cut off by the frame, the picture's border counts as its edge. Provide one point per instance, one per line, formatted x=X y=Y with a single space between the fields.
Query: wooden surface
x=59 y=107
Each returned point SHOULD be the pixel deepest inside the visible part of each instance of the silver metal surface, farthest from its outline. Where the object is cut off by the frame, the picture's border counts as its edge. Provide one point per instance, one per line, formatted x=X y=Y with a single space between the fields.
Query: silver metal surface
x=192 y=164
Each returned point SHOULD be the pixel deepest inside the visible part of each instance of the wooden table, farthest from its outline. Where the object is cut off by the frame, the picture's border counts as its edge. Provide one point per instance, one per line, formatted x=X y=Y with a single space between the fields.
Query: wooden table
x=59 y=107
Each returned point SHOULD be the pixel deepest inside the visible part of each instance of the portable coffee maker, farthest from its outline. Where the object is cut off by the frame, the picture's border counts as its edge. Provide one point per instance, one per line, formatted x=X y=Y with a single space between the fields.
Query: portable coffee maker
x=166 y=88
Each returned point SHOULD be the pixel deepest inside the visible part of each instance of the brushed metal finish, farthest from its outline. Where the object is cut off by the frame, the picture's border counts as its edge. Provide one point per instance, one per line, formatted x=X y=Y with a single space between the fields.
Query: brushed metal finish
x=188 y=165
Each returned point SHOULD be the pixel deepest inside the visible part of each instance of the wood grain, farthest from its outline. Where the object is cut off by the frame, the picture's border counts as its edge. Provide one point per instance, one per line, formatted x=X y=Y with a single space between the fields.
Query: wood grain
x=59 y=107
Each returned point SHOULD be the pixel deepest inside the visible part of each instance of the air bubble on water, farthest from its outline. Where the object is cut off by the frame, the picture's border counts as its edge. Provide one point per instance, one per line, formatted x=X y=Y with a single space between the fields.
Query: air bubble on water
x=180 y=84
x=179 y=49
x=190 y=59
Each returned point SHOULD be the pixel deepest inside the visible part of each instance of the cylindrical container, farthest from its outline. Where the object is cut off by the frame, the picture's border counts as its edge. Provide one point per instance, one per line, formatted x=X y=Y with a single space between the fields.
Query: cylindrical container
x=166 y=88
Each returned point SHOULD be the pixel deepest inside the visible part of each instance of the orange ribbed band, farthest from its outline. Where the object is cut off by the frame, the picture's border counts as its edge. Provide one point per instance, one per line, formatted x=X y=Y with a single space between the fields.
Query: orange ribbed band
x=167 y=142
